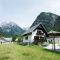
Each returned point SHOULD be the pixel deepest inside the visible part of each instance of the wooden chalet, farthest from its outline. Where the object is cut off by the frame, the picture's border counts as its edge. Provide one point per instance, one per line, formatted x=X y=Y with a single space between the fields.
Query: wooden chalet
x=36 y=34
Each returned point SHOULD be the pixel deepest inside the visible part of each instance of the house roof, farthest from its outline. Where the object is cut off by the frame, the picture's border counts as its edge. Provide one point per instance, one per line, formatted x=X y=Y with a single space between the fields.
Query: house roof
x=31 y=29
x=3 y=39
x=53 y=32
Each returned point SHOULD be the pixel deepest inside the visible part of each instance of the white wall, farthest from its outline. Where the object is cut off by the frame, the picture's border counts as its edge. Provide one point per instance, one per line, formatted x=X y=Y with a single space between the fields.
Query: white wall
x=29 y=38
x=57 y=39
x=34 y=34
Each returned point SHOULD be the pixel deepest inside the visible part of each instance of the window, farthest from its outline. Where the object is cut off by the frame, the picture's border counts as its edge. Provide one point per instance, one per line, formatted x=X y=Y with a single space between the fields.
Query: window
x=26 y=38
x=41 y=37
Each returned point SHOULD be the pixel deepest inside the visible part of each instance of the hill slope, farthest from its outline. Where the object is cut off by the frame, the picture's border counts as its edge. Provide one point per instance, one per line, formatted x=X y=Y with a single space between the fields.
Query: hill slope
x=49 y=20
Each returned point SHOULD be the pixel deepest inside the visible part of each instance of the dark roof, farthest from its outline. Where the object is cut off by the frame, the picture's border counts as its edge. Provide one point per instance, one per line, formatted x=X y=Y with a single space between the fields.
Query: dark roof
x=31 y=29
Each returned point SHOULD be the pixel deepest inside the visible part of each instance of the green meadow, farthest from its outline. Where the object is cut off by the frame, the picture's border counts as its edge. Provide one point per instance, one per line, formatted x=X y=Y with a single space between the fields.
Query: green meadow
x=19 y=52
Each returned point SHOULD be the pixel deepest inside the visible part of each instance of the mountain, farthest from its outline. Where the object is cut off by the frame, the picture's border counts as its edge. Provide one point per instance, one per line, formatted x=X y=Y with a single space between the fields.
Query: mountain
x=49 y=20
x=10 y=29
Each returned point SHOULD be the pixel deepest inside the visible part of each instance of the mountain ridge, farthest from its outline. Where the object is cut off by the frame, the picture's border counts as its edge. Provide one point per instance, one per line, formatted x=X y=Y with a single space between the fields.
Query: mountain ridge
x=49 y=21
x=11 y=28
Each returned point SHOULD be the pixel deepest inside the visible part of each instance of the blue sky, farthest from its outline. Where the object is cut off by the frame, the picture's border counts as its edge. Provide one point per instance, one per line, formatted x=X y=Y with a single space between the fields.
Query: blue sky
x=24 y=12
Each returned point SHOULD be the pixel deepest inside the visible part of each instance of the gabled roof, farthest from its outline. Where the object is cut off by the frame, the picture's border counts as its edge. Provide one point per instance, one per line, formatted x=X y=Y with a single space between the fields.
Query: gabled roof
x=31 y=29
x=3 y=39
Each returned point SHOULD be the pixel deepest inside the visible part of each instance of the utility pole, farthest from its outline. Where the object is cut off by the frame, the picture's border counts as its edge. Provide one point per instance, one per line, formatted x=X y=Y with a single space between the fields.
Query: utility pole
x=54 y=43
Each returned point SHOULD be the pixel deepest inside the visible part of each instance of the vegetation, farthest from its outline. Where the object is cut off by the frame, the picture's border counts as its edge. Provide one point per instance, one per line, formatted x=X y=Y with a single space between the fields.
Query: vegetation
x=14 y=38
x=20 y=38
x=18 y=52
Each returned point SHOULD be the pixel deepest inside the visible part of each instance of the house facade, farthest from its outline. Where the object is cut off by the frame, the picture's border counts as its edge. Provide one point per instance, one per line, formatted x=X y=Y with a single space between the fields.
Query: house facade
x=35 y=34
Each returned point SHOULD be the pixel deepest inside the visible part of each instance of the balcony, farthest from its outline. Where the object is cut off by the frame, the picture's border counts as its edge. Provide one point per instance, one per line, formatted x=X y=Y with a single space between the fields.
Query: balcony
x=39 y=33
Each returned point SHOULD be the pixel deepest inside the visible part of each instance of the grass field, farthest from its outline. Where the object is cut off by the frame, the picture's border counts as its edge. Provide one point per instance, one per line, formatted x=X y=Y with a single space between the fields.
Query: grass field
x=18 y=52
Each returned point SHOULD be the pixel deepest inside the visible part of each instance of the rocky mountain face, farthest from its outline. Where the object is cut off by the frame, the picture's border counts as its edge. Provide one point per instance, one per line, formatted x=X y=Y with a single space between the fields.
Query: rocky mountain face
x=11 y=29
x=49 y=20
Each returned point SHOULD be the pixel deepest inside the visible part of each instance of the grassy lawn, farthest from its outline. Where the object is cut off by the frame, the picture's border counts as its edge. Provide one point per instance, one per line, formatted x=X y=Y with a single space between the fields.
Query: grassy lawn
x=18 y=52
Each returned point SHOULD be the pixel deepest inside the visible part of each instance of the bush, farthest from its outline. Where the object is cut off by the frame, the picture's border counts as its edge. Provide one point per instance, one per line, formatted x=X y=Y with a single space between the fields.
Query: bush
x=14 y=38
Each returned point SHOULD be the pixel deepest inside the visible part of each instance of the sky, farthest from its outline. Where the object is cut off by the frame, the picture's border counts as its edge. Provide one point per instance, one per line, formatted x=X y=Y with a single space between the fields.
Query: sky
x=24 y=12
